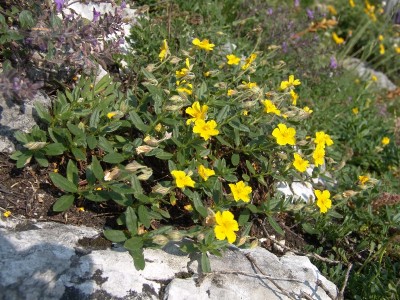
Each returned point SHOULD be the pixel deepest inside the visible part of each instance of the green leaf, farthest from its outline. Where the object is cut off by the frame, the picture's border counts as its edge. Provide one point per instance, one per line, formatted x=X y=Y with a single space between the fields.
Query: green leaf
x=24 y=159
x=43 y=112
x=223 y=142
x=41 y=159
x=113 y=158
x=138 y=258
x=164 y=155
x=134 y=243
x=103 y=83
x=250 y=168
x=223 y=113
x=244 y=217
x=137 y=121
x=275 y=225
x=309 y=228
x=147 y=74
x=97 y=169
x=21 y=137
x=54 y=149
x=75 y=130
x=79 y=153
x=116 y=236
x=64 y=202
x=91 y=141
x=235 y=159
x=26 y=19
x=205 y=263
x=131 y=220
x=239 y=126
x=252 y=208
x=105 y=144
x=72 y=172
x=63 y=183
x=335 y=214
x=198 y=205
x=143 y=216
x=94 y=118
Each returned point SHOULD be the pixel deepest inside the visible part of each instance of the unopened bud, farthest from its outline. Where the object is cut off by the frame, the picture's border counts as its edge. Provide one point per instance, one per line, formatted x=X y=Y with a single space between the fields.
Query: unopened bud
x=149 y=140
x=200 y=237
x=159 y=189
x=160 y=240
x=112 y=175
x=134 y=166
x=146 y=173
x=150 y=68
x=175 y=235
x=254 y=244
x=35 y=145
x=241 y=241
x=144 y=149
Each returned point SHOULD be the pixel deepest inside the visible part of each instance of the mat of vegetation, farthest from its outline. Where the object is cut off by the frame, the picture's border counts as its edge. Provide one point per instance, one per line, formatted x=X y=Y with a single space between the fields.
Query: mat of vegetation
x=215 y=106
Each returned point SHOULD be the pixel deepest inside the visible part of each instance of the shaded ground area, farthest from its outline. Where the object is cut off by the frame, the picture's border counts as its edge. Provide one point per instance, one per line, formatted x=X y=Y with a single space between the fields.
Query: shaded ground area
x=28 y=193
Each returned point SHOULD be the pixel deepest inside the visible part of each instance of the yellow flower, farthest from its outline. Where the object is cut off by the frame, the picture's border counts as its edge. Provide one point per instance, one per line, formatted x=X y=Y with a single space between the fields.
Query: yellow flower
x=374 y=78
x=381 y=49
x=307 y=110
x=352 y=4
x=184 y=87
x=112 y=114
x=231 y=92
x=355 y=110
x=284 y=135
x=319 y=155
x=241 y=191
x=81 y=209
x=7 y=213
x=248 y=61
x=338 y=40
x=380 y=37
x=233 y=59
x=363 y=179
x=270 y=107
x=397 y=49
x=225 y=226
x=207 y=74
x=197 y=112
x=188 y=207
x=181 y=179
x=249 y=85
x=385 y=140
x=294 y=97
x=204 y=44
x=205 y=129
x=322 y=139
x=205 y=172
x=290 y=83
x=332 y=10
x=158 y=127
x=164 y=50
x=323 y=201
x=299 y=163
x=184 y=71
x=245 y=112
x=370 y=11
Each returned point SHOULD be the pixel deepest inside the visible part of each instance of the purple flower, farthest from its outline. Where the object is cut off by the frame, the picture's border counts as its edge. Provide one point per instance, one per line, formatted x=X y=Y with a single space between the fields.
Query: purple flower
x=296 y=3
x=96 y=15
x=59 y=4
x=123 y=4
x=310 y=14
x=270 y=11
x=333 y=63
x=284 y=47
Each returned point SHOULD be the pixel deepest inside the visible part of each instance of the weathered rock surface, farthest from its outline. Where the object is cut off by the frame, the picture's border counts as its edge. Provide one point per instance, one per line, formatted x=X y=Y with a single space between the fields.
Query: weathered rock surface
x=51 y=261
x=15 y=117
x=365 y=72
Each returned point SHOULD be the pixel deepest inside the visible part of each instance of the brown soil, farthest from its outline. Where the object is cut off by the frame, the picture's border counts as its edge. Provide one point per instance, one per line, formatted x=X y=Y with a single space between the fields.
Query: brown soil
x=29 y=194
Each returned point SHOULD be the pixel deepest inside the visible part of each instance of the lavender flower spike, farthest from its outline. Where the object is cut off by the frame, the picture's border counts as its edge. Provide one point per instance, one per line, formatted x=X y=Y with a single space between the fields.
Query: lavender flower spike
x=96 y=15
x=333 y=63
x=59 y=4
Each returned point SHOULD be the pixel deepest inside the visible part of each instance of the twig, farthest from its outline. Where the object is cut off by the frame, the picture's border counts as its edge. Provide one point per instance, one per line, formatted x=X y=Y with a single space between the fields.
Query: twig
x=307 y=296
x=346 y=279
x=326 y=290
x=255 y=275
x=313 y=255
x=247 y=255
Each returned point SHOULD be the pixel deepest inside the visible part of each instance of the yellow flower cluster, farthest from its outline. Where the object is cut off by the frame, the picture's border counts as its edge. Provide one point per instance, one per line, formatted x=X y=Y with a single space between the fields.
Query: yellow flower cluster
x=323 y=200
x=321 y=140
x=284 y=135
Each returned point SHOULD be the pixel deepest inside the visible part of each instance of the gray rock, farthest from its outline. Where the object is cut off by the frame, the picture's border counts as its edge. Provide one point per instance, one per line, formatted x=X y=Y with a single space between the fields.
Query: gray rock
x=366 y=73
x=49 y=261
x=15 y=117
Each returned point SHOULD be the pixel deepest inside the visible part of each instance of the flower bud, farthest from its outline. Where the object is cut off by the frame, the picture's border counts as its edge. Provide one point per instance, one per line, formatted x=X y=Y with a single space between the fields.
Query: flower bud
x=134 y=166
x=144 y=149
x=175 y=235
x=159 y=189
x=35 y=145
x=241 y=241
x=160 y=240
x=112 y=175
x=146 y=173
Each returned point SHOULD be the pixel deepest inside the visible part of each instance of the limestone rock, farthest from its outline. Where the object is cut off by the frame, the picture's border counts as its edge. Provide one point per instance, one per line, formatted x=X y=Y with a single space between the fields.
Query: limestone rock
x=17 y=117
x=51 y=261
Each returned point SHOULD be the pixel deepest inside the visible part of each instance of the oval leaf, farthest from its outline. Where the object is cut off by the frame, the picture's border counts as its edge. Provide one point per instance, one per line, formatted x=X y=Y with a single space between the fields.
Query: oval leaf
x=63 y=183
x=63 y=203
x=116 y=236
